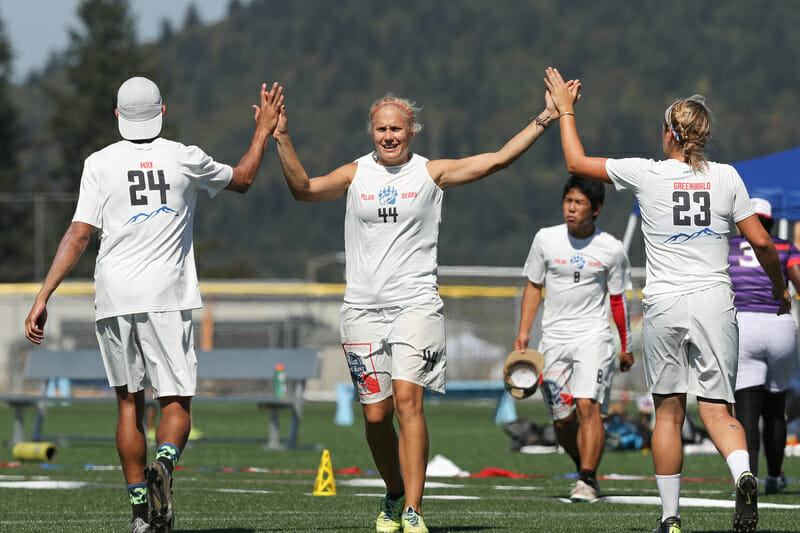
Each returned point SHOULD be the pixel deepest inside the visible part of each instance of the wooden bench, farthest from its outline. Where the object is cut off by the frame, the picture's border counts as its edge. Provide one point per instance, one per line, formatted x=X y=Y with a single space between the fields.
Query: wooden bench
x=222 y=364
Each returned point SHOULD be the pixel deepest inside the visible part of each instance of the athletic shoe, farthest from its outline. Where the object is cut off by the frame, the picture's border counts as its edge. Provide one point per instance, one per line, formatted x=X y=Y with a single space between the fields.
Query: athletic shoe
x=583 y=492
x=774 y=485
x=412 y=522
x=670 y=525
x=389 y=518
x=745 y=517
x=138 y=525
x=159 y=497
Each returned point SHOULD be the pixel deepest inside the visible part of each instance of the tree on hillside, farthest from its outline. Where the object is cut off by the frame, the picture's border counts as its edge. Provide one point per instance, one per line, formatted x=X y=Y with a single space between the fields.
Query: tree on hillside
x=102 y=53
x=12 y=243
x=9 y=132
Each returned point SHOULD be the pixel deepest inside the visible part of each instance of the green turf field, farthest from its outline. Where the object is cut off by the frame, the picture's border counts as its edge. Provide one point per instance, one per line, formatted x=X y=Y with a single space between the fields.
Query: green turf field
x=215 y=493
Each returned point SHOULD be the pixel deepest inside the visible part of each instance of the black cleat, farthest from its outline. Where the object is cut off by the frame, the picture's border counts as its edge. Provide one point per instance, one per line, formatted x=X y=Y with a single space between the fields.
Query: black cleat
x=159 y=497
x=745 y=517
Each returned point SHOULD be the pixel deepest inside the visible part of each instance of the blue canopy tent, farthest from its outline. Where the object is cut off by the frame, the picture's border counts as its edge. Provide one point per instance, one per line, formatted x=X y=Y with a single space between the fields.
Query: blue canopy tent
x=776 y=178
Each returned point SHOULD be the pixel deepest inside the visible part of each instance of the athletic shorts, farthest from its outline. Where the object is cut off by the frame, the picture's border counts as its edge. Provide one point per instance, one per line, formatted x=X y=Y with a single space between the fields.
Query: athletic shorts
x=691 y=344
x=582 y=369
x=162 y=343
x=404 y=342
x=767 y=350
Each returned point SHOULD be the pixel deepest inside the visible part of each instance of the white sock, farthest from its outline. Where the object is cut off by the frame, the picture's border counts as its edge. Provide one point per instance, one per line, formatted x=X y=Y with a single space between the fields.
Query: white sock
x=669 y=488
x=739 y=463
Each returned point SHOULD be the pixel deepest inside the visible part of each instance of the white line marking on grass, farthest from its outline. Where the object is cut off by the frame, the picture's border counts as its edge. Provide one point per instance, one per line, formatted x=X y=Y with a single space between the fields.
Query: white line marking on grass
x=428 y=497
x=246 y=491
x=511 y=487
x=378 y=483
x=686 y=502
x=50 y=485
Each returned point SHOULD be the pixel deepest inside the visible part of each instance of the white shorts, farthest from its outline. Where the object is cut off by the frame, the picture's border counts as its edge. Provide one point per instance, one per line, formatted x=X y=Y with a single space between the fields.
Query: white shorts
x=405 y=342
x=162 y=343
x=767 y=350
x=583 y=369
x=691 y=344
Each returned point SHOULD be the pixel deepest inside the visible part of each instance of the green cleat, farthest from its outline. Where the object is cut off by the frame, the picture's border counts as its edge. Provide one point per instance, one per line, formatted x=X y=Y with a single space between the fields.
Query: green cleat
x=413 y=522
x=745 y=517
x=670 y=525
x=388 y=520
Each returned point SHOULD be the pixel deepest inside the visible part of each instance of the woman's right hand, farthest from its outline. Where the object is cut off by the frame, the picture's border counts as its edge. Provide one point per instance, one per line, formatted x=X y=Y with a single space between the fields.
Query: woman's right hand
x=564 y=94
x=282 y=128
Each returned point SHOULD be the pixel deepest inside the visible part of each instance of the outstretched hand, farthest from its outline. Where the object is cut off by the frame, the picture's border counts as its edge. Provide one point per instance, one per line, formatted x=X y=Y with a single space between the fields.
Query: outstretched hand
x=562 y=95
x=282 y=128
x=266 y=115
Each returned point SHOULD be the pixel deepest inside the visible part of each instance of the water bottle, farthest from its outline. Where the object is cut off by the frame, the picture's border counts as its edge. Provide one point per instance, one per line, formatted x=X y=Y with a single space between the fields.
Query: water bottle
x=280 y=381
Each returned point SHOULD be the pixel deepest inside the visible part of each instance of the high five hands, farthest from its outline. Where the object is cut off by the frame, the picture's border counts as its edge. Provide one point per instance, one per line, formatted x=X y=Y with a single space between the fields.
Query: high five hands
x=266 y=115
x=562 y=94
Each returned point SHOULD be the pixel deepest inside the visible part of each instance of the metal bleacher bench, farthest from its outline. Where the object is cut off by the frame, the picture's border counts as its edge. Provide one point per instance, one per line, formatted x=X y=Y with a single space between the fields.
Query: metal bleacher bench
x=222 y=364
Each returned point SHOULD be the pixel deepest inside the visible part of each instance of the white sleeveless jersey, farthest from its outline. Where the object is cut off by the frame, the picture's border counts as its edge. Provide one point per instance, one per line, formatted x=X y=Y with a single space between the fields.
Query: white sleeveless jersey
x=142 y=198
x=686 y=219
x=391 y=232
x=576 y=275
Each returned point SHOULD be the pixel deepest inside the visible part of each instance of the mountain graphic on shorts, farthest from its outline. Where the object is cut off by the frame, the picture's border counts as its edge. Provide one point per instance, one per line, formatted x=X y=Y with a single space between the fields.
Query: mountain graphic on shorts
x=681 y=238
x=144 y=217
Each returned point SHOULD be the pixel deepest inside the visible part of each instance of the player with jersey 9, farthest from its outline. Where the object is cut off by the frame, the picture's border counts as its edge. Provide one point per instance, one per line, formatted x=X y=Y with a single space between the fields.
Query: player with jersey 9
x=576 y=264
x=141 y=194
x=391 y=323
x=689 y=330
x=767 y=349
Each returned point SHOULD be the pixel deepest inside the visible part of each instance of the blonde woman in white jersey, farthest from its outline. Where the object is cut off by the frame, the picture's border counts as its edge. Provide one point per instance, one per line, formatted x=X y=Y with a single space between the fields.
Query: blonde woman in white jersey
x=690 y=334
x=391 y=324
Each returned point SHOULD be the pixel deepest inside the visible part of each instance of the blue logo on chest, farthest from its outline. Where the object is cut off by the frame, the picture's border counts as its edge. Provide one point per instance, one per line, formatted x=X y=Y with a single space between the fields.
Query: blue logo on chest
x=577 y=261
x=387 y=196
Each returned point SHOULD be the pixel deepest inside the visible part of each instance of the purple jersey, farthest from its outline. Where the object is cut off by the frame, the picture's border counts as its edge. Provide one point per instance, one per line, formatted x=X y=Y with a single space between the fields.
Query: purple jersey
x=750 y=283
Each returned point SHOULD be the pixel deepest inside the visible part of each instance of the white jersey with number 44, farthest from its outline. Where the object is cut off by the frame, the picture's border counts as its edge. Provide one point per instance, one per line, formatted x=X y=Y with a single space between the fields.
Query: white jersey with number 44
x=142 y=197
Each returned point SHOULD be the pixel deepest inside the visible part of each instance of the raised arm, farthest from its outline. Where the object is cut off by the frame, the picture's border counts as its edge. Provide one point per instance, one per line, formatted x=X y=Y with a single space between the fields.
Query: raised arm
x=328 y=187
x=578 y=163
x=767 y=255
x=453 y=172
x=531 y=299
x=266 y=116
x=69 y=251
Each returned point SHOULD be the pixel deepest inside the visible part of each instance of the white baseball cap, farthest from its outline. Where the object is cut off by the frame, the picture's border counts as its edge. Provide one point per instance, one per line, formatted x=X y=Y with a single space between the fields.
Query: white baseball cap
x=139 y=109
x=762 y=207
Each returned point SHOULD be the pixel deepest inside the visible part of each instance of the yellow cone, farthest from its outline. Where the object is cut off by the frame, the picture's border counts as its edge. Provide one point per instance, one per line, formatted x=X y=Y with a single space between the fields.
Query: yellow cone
x=325 y=485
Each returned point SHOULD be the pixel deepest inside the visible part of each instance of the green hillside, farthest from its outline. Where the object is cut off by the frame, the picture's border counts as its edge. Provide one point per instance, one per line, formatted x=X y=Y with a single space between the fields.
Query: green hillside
x=476 y=67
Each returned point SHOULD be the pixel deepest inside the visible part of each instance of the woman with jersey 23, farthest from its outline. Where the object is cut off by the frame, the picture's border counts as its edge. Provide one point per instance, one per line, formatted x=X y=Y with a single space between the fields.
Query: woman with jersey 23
x=689 y=330
x=392 y=323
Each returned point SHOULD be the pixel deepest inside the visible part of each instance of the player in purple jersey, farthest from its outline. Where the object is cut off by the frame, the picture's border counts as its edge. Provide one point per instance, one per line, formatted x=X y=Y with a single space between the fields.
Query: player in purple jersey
x=767 y=349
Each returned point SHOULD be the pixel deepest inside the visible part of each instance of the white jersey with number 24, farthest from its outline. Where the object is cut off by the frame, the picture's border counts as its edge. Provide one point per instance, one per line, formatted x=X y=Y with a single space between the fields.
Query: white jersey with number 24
x=142 y=197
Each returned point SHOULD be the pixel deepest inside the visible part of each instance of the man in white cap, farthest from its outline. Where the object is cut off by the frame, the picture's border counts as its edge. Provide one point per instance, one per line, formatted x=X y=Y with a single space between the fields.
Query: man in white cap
x=141 y=194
